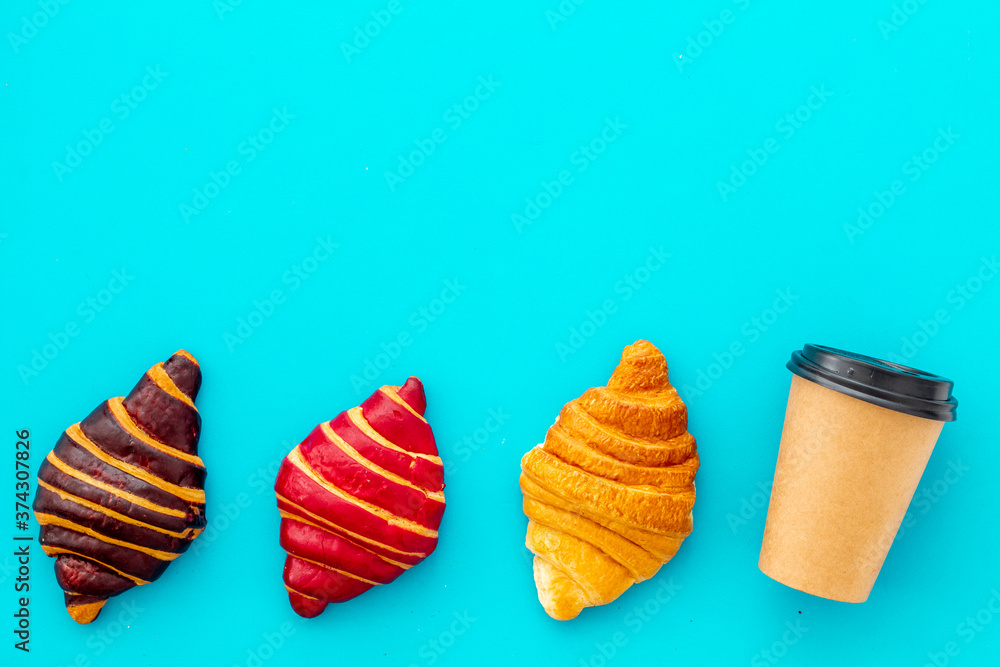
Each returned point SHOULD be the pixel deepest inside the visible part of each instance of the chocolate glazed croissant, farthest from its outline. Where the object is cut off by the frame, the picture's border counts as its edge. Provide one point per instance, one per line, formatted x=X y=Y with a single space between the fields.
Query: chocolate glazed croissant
x=122 y=494
x=609 y=493
x=360 y=499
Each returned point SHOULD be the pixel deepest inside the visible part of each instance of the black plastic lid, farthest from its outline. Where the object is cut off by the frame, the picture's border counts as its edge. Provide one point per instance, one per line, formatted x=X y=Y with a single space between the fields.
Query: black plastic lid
x=881 y=383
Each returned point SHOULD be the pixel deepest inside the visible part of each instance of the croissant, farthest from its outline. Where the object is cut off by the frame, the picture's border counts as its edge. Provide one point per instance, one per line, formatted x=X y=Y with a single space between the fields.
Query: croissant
x=360 y=499
x=609 y=493
x=122 y=493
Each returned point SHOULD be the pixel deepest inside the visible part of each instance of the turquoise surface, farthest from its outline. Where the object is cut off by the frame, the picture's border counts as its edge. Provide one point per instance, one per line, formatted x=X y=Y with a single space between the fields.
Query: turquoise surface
x=498 y=197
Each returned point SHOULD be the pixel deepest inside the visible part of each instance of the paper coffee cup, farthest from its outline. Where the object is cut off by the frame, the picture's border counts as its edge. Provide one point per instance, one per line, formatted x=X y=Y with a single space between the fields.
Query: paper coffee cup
x=858 y=433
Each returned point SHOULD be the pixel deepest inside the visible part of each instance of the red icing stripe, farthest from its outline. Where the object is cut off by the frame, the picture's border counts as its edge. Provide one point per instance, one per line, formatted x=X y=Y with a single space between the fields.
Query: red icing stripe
x=359 y=481
x=319 y=582
x=397 y=424
x=408 y=559
x=309 y=542
x=412 y=392
x=306 y=607
x=420 y=471
x=301 y=490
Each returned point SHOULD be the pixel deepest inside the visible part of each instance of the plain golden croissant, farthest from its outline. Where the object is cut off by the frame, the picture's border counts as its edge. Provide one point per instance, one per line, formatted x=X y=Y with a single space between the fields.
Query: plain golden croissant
x=609 y=493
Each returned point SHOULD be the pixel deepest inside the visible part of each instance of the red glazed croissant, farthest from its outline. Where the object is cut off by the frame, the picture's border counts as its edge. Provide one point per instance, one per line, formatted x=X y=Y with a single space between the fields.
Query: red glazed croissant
x=361 y=499
x=122 y=494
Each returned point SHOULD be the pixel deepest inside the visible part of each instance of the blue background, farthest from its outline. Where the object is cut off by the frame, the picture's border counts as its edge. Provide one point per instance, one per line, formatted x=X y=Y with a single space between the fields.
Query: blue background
x=892 y=80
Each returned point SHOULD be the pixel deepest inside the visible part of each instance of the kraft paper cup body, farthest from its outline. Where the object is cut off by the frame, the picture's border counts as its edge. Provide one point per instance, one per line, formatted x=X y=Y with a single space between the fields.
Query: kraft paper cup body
x=846 y=472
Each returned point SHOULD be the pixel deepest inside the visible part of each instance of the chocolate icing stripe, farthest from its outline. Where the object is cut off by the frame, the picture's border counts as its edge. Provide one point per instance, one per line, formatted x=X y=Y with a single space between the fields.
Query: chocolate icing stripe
x=59 y=482
x=358 y=419
x=335 y=439
x=187 y=355
x=70 y=459
x=295 y=458
x=184 y=372
x=106 y=431
x=136 y=563
x=163 y=380
x=103 y=526
x=298 y=512
x=58 y=551
x=122 y=416
x=45 y=519
x=94 y=507
x=83 y=577
x=171 y=421
x=355 y=539
x=190 y=495
x=78 y=576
